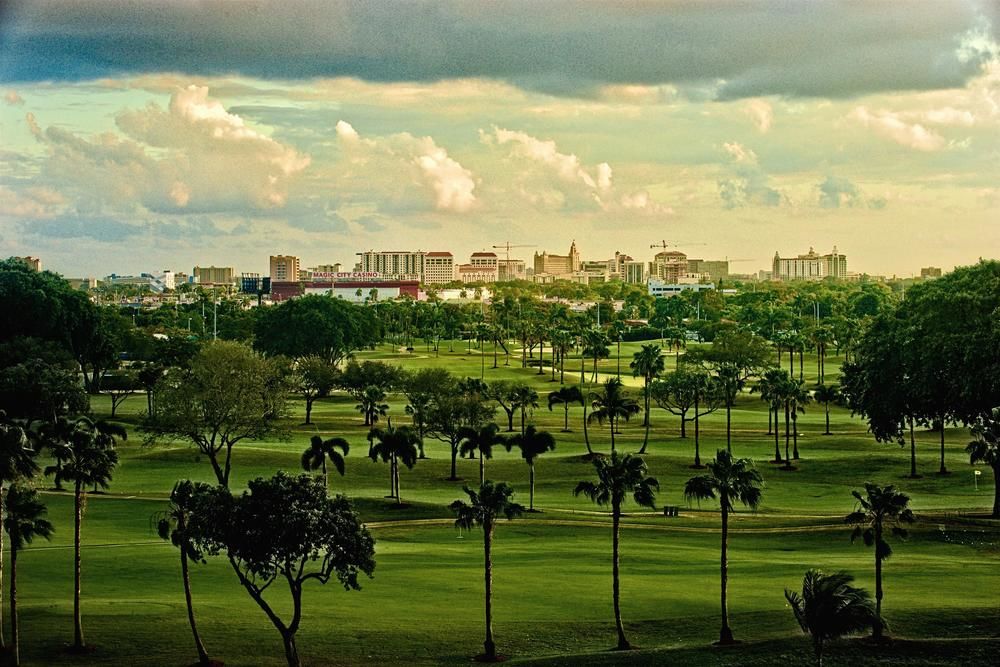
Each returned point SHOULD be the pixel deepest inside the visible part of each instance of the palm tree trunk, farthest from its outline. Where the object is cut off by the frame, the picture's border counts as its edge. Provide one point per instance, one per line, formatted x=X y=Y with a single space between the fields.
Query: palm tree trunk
x=15 y=644
x=623 y=644
x=943 y=470
x=619 y=372
x=186 y=576
x=566 y=417
x=769 y=414
x=826 y=407
x=729 y=421
x=877 y=626
x=482 y=468
x=454 y=458
x=309 y=409
x=78 y=520
x=326 y=480
x=611 y=421
x=586 y=433
x=725 y=633
x=913 y=451
x=489 y=647
x=996 y=489
x=777 y=448
x=795 y=435
x=531 y=487
x=2 y=643
x=697 y=434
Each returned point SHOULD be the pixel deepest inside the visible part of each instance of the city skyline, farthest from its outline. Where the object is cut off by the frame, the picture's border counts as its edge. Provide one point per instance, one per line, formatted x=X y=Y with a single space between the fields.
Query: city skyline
x=350 y=126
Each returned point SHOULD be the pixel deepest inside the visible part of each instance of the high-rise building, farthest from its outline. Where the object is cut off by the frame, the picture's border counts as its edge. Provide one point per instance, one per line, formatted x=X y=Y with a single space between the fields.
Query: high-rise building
x=395 y=264
x=32 y=263
x=284 y=268
x=214 y=275
x=714 y=269
x=668 y=266
x=558 y=265
x=810 y=266
x=511 y=269
x=930 y=272
x=633 y=272
x=439 y=268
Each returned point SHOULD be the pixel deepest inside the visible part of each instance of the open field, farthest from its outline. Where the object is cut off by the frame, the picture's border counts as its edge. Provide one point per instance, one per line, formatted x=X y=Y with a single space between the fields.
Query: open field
x=552 y=569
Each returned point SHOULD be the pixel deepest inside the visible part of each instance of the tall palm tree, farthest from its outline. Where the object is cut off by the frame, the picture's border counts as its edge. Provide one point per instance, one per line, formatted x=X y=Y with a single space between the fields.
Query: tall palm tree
x=830 y=608
x=85 y=455
x=480 y=440
x=394 y=446
x=619 y=476
x=770 y=387
x=612 y=405
x=524 y=398
x=418 y=407
x=729 y=480
x=485 y=507
x=985 y=448
x=17 y=462
x=174 y=525
x=595 y=347
x=800 y=398
x=648 y=363
x=879 y=509
x=320 y=451
x=565 y=396
x=826 y=394
x=532 y=444
x=23 y=522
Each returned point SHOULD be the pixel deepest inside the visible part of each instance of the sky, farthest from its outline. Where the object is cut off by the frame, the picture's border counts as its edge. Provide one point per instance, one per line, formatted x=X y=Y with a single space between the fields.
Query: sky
x=148 y=135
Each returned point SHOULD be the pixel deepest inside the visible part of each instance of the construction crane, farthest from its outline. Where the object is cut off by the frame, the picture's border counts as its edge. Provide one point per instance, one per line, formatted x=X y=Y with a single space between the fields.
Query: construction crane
x=665 y=245
x=507 y=245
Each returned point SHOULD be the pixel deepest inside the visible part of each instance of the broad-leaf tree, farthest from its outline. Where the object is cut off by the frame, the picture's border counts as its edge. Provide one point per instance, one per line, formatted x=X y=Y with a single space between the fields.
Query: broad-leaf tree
x=485 y=507
x=830 y=608
x=228 y=395
x=314 y=325
x=287 y=529
x=618 y=477
x=315 y=377
x=23 y=521
x=730 y=481
x=878 y=511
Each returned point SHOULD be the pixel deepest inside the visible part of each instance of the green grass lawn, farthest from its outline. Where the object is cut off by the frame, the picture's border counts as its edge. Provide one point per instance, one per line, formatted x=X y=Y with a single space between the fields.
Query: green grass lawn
x=552 y=569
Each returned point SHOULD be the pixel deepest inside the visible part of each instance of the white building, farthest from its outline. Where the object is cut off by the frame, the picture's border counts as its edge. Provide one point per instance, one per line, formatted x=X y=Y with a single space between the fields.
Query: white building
x=810 y=266
x=395 y=264
x=439 y=268
x=659 y=288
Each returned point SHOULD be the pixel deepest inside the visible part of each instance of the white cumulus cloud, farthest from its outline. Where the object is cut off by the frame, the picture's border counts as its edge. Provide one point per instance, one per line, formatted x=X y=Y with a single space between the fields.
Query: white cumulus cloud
x=893 y=126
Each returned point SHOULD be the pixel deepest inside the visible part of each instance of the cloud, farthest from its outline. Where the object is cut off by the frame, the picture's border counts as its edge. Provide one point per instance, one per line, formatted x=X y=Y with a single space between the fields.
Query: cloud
x=761 y=112
x=11 y=98
x=403 y=158
x=566 y=166
x=746 y=182
x=741 y=50
x=193 y=156
x=893 y=126
x=839 y=192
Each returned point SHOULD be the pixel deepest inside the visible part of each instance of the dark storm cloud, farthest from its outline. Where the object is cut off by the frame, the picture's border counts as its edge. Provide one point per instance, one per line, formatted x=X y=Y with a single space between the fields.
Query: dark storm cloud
x=734 y=49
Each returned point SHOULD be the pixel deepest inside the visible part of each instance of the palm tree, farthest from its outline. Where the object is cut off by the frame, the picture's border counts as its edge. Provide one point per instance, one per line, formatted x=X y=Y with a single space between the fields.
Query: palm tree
x=532 y=444
x=484 y=509
x=830 y=608
x=879 y=509
x=826 y=394
x=174 y=525
x=618 y=477
x=320 y=450
x=595 y=347
x=985 y=448
x=524 y=398
x=799 y=398
x=730 y=481
x=23 y=522
x=618 y=331
x=394 y=446
x=770 y=388
x=612 y=405
x=565 y=396
x=17 y=461
x=481 y=440
x=418 y=407
x=649 y=363
x=85 y=455
x=371 y=405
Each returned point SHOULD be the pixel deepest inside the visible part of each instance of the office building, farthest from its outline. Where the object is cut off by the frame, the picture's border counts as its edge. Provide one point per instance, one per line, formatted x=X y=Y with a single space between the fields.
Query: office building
x=810 y=266
x=558 y=266
x=214 y=275
x=284 y=268
x=439 y=268
x=511 y=269
x=713 y=270
x=668 y=266
x=659 y=288
x=398 y=264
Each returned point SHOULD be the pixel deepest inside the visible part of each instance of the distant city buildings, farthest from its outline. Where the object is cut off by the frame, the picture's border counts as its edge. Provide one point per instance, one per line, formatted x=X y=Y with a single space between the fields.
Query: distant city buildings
x=660 y=288
x=668 y=266
x=214 y=275
x=399 y=264
x=511 y=269
x=810 y=266
x=284 y=268
x=32 y=263
x=439 y=268
x=557 y=266
x=930 y=272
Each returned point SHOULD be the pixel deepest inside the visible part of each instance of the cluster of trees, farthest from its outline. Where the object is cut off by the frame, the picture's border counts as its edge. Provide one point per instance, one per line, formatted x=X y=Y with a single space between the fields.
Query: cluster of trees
x=932 y=360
